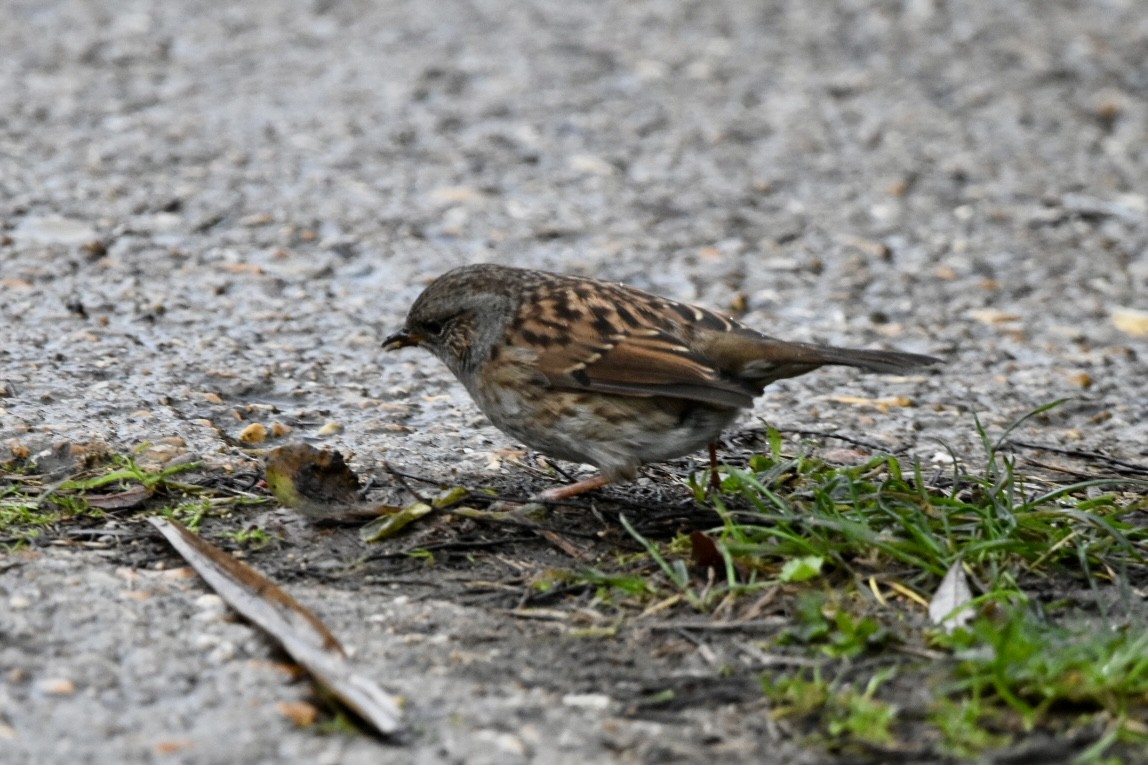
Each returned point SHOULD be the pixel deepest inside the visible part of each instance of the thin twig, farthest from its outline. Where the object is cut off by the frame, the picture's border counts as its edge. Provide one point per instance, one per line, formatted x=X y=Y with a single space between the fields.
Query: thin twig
x=1097 y=456
x=683 y=624
x=840 y=437
x=402 y=479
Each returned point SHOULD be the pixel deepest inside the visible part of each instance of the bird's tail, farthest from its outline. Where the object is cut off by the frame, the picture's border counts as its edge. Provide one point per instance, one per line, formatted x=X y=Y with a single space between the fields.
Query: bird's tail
x=873 y=361
x=780 y=359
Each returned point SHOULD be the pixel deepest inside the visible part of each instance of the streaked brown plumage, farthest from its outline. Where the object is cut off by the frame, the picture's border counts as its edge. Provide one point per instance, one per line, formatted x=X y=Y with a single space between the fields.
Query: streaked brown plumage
x=602 y=373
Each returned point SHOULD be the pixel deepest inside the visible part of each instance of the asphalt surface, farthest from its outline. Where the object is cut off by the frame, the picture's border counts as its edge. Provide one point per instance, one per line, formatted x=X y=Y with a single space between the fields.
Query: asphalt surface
x=211 y=214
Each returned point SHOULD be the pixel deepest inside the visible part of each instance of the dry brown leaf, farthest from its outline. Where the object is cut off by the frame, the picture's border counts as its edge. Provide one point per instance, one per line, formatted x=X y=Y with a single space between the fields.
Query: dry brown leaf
x=122 y=500
x=318 y=483
x=704 y=552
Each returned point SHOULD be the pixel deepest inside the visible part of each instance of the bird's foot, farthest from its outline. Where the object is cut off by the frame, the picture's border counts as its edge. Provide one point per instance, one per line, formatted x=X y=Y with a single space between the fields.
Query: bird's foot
x=559 y=493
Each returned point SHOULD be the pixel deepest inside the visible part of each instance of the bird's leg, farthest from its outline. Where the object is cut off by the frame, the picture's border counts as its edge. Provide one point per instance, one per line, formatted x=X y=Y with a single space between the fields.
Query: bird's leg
x=559 y=493
x=715 y=481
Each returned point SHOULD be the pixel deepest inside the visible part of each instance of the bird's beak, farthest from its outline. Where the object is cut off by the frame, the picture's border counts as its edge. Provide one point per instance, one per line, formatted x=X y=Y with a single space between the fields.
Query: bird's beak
x=401 y=339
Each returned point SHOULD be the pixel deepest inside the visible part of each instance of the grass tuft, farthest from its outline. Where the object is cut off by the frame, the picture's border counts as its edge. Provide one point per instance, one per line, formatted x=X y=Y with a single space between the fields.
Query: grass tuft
x=859 y=551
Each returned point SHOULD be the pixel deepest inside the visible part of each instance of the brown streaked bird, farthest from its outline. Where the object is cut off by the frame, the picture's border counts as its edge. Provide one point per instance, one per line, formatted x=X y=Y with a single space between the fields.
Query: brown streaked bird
x=601 y=373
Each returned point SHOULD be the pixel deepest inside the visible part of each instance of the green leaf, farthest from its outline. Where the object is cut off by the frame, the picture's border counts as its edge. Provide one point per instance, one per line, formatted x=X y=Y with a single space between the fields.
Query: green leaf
x=802 y=569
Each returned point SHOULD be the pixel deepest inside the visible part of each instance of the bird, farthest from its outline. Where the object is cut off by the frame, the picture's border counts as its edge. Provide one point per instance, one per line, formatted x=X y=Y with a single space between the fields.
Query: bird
x=598 y=372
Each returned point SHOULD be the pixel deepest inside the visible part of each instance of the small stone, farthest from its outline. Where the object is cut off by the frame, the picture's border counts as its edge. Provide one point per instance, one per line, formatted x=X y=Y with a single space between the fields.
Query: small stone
x=279 y=429
x=255 y=433
x=56 y=686
x=1081 y=379
x=299 y=712
x=172 y=746
x=1131 y=321
x=210 y=606
x=598 y=701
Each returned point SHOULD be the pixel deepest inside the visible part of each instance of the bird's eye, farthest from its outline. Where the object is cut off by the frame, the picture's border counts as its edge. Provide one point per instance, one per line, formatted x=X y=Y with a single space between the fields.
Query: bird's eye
x=433 y=328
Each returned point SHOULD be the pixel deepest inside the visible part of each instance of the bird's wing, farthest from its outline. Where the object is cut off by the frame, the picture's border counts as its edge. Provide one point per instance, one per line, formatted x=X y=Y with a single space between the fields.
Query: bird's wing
x=615 y=339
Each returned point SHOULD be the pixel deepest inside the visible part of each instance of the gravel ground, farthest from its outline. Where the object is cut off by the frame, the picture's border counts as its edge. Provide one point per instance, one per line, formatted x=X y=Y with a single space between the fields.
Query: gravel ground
x=210 y=214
